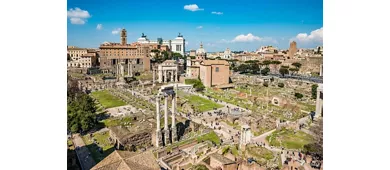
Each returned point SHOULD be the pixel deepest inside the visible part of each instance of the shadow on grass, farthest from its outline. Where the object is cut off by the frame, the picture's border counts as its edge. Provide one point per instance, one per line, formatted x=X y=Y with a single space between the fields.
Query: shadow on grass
x=96 y=154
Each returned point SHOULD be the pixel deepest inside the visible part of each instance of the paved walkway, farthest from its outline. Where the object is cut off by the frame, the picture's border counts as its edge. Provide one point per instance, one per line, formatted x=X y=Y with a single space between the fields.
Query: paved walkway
x=83 y=153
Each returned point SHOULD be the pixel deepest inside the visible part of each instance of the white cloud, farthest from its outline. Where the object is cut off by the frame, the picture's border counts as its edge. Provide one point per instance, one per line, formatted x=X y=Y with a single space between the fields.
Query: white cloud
x=199 y=27
x=217 y=13
x=78 y=16
x=246 y=38
x=78 y=21
x=192 y=7
x=249 y=38
x=314 y=37
x=99 y=26
x=116 y=31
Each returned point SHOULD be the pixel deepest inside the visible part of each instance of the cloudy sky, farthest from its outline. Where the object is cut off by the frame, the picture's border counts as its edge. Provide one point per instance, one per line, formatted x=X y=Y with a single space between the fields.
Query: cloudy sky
x=219 y=24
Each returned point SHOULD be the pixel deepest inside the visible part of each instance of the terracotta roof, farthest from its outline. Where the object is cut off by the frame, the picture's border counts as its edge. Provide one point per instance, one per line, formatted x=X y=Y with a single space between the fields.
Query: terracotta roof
x=214 y=62
x=125 y=160
x=222 y=159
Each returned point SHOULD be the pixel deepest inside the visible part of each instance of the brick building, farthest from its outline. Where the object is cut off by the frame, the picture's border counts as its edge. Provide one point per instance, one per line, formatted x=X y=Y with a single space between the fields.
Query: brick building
x=136 y=55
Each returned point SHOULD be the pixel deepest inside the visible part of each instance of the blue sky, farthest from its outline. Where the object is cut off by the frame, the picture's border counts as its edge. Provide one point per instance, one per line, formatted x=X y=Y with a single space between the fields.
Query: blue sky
x=219 y=24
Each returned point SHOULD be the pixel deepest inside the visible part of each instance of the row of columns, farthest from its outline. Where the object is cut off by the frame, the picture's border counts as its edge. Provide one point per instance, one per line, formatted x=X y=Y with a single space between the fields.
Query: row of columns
x=159 y=134
x=120 y=71
x=174 y=76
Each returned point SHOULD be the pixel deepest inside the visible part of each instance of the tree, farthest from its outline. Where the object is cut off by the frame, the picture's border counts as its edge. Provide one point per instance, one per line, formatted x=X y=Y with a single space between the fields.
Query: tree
x=218 y=58
x=281 y=85
x=293 y=70
x=198 y=85
x=298 y=95
x=283 y=71
x=314 y=91
x=265 y=71
x=177 y=56
x=297 y=65
x=266 y=63
x=80 y=111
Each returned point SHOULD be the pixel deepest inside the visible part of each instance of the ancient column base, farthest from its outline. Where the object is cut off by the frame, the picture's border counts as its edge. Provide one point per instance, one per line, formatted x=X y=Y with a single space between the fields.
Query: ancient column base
x=166 y=137
x=174 y=134
x=159 y=141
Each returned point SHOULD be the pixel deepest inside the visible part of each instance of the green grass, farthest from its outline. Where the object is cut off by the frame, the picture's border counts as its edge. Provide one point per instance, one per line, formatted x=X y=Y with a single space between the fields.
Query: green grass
x=116 y=121
x=260 y=152
x=190 y=81
x=289 y=140
x=212 y=136
x=235 y=125
x=107 y=99
x=202 y=104
x=102 y=139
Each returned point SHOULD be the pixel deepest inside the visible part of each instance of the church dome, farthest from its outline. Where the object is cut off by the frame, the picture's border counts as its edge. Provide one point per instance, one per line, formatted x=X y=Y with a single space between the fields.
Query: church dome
x=201 y=50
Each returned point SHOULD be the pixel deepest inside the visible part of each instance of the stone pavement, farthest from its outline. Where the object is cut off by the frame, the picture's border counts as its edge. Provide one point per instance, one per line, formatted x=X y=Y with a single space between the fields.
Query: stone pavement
x=83 y=153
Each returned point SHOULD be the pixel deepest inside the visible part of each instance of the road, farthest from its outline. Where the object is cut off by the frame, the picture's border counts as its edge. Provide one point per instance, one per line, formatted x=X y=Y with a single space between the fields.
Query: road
x=83 y=153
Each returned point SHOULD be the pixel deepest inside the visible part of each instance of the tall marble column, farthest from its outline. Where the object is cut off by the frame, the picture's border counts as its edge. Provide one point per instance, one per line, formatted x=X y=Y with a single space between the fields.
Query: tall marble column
x=160 y=75
x=158 y=130
x=319 y=101
x=154 y=77
x=165 y=76
x=175 y=76
x=131 y=69
x=174 y=132
x=166 y=128
x=172 y=76
x=128 y=69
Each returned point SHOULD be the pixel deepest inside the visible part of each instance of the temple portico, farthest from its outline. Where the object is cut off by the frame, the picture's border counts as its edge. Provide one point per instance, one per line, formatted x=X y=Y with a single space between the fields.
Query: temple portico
x=168 y=71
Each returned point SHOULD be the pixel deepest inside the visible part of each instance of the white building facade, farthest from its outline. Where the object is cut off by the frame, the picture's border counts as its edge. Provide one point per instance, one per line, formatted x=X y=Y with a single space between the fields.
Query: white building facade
x=176 y=45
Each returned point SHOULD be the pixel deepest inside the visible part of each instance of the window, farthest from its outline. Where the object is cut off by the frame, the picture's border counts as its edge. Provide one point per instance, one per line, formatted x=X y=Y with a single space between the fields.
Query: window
x=178 y=47
x=137 y=60
x=216 y=69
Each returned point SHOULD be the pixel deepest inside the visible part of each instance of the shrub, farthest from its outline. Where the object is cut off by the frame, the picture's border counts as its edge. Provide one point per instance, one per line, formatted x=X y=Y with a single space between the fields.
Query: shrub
x=265 y=84
x=298 y=95
x=281 y=85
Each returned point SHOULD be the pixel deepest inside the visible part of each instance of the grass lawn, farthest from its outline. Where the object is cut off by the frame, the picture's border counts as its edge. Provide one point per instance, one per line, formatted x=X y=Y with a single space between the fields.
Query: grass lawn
x=107 y=99
x=260 y=152
x=235 y=125
x=200 y=103
x=212 y=136
x=116 y=121
x=102 y=139
x=289 y=140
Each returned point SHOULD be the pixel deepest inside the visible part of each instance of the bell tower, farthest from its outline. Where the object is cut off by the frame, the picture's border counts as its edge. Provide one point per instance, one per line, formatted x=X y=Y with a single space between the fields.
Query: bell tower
x=123 y=37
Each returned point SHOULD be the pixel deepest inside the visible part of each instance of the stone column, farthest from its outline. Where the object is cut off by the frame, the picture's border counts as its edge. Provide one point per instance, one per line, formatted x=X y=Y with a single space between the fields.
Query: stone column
x=175 y=76
x=128 y=69
x=165 y=76
x=166 y=129
x=318 y=101
x=174 y=132
x=160 y=75
x=158 y=130
x=131 y=69
x=154 y=77
x=172 y=76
